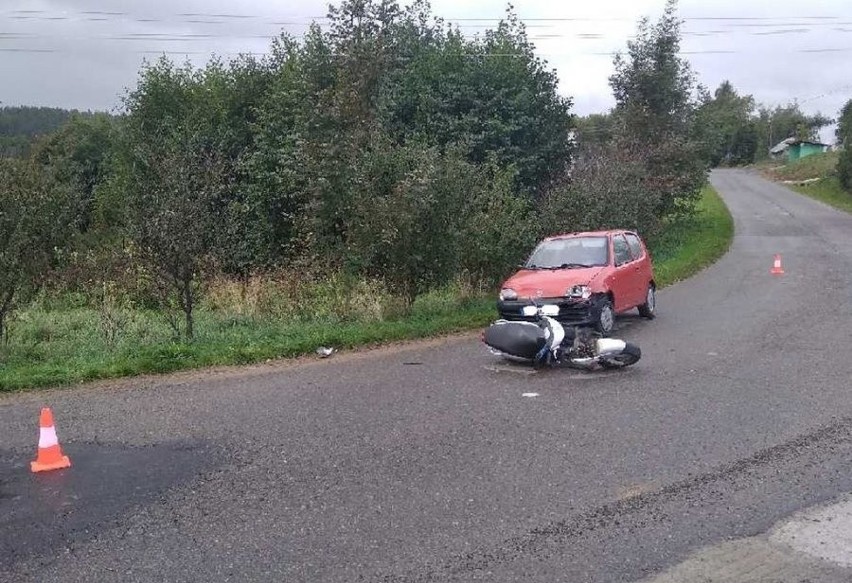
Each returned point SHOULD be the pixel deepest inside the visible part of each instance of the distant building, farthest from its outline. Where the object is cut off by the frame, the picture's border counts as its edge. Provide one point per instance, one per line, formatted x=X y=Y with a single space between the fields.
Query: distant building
x=794 y=148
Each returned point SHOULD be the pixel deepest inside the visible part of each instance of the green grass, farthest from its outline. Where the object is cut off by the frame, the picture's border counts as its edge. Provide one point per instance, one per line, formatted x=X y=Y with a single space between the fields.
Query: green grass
x=687 y=248
x=57 y=348
x=826 y=189
x=813 y=166
x=53 y=345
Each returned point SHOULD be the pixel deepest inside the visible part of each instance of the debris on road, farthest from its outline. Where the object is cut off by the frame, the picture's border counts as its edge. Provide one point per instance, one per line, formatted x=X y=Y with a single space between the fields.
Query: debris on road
x=325 y=352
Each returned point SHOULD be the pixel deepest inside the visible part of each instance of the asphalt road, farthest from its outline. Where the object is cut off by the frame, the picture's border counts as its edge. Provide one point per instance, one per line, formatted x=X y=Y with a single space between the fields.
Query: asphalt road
x=426 y=463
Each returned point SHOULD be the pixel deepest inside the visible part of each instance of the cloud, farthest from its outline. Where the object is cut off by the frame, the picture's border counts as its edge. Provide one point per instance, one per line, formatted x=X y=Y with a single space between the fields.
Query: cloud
x=83 y=53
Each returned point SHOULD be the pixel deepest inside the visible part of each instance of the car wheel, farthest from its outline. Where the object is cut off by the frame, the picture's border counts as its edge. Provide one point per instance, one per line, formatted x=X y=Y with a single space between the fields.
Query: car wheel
x=649 y=308
x=606 y=317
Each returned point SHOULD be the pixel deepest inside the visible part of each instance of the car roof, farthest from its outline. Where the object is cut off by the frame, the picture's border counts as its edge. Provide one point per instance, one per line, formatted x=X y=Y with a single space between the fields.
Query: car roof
x=587 y=234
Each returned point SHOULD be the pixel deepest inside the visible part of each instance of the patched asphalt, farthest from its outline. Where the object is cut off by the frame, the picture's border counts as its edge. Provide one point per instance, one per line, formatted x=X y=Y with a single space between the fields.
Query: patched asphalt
x=361 y=467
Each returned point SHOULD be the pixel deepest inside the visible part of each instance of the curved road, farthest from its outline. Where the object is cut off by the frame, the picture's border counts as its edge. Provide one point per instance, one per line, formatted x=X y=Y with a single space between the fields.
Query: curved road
x=426 y=463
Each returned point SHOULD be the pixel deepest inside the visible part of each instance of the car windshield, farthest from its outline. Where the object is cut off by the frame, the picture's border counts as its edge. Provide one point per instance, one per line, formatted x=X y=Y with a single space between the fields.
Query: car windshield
x=573 y=252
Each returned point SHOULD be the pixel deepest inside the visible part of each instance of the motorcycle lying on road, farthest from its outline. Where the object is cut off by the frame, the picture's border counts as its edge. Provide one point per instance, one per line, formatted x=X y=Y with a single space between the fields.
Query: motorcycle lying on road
x=545 y=342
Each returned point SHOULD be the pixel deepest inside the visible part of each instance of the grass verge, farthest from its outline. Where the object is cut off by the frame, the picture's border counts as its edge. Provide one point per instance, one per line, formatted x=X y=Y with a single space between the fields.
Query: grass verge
x=64 y=346
x=816 y=176
x=813 y=166
x=689 y=247
x=827 y=190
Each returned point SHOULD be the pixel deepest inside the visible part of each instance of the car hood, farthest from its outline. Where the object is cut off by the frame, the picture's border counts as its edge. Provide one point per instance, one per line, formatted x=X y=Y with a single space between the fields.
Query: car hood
x=551 y=282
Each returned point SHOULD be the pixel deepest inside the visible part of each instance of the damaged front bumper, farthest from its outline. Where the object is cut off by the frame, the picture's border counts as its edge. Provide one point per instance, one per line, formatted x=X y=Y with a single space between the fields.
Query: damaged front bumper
x=572 y=312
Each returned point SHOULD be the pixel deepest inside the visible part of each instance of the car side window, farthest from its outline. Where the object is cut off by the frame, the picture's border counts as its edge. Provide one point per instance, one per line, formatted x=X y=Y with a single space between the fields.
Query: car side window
x=635 y=245
x=622 y=250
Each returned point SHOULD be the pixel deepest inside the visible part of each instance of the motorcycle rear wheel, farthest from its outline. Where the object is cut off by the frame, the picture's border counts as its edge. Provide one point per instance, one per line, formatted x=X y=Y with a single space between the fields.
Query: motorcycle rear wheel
x=629 y=356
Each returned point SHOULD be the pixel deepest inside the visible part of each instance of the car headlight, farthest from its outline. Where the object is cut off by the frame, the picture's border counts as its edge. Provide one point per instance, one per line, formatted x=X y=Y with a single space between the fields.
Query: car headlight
x=583 y=292
x=508 y=294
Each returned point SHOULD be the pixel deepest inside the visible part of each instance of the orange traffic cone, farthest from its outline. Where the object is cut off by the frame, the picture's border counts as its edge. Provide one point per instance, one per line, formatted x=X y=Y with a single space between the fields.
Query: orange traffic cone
x=776 y=268
x=49 y=453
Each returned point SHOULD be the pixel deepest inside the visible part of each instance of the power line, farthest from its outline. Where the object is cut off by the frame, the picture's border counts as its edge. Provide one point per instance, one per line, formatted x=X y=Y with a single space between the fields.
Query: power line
x=730 y=25
x=192 y=37
x=45 y=14
x=470 y=55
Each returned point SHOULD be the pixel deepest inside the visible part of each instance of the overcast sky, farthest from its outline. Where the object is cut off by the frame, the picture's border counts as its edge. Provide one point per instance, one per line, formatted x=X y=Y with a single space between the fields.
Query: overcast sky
x=84 y=53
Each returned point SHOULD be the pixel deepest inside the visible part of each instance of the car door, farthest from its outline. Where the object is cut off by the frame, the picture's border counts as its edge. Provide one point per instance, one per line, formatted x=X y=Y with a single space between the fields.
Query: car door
x=624 y=282
x=644 y=273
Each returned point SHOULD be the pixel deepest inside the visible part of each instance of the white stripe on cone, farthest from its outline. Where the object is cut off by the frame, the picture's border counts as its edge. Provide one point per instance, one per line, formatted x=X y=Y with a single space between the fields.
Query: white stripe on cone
x=47 y=437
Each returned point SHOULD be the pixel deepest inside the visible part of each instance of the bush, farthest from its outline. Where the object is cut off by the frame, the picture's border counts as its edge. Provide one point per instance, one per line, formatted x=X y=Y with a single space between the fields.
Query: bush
x=35 y=212
x=421 y=217
x=606 y=191
x=844 y=167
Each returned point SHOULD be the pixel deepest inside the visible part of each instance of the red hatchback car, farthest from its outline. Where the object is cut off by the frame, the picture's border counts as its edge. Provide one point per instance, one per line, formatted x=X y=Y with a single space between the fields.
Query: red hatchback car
x=589 y=276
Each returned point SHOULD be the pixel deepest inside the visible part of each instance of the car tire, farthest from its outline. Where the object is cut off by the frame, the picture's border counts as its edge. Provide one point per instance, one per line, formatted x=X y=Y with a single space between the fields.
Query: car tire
x=649 y=308
x=605 y=323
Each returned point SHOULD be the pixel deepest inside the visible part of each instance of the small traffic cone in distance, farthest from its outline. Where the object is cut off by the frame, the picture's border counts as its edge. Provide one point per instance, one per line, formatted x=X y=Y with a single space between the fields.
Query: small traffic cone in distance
x=49 y=452
x=776 y=267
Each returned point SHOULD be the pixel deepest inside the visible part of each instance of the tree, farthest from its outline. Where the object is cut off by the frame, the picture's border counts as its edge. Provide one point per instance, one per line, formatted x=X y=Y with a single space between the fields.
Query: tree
x=362 y=37
x=78 y=153
x=491 y=95
x=498 y=227
x=35 y=214
x=412 y=227
x=724 y=127
x=744 y=144
x=383 y=71
x=788 y=121
x=595 y=129
x=172 y=221
x=274 y=168
x=844 y=138
x=233 y=96
x=608 y=189
x=405 y=225
x=174 y=173
x=653 y=89
x=32 y=121
x=653 y=85
x=253 y=164
x=843 y=133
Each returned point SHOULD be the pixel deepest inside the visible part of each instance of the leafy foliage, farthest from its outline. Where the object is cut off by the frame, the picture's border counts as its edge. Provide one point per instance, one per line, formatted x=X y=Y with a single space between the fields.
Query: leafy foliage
x=790 y=122
x=596 y=129
x=735 y=130
x=77 y=154
x=425 y=216
x=844 y=124
x=174 y=172
x=651 y=169
x=844 y=137
x=19 y=126
x=35 y=213
x=491 y=95
x=386 y=148
x=725 y=127
x=605 y=191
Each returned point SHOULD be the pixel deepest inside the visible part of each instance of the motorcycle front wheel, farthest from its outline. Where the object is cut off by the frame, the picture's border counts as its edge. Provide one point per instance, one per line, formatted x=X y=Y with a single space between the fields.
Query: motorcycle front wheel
x=630 y=355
